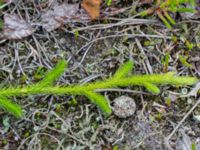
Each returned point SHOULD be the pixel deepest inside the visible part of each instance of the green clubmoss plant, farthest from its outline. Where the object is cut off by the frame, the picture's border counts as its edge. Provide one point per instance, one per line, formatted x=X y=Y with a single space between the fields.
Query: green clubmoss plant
x=121 y=78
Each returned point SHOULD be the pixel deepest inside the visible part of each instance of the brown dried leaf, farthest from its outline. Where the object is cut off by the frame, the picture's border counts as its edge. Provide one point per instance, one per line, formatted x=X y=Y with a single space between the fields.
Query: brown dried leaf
x=15 y=28
x=92 y=7
x=60 y=14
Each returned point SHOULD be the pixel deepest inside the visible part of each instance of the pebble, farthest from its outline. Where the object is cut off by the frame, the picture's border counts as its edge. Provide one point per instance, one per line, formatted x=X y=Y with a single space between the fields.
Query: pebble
x=124 y=107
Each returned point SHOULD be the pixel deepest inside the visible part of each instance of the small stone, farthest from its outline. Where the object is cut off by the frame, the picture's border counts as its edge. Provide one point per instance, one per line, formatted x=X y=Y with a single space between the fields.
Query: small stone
x=124 y=107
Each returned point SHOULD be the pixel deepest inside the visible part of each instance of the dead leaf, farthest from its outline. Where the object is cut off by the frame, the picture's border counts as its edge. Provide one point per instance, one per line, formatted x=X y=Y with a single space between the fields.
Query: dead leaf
x=15 y=27
x=92 y=7
x=65 y=13
x=61 y=14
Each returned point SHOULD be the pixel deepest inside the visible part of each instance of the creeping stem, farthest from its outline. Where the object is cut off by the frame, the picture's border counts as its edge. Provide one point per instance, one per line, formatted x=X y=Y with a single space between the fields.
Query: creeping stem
x=136 y=80
x=120 y=79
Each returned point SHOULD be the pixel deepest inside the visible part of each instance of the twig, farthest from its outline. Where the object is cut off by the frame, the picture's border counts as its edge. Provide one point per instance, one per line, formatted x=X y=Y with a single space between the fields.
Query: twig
x=127 y=21
x=146 y=58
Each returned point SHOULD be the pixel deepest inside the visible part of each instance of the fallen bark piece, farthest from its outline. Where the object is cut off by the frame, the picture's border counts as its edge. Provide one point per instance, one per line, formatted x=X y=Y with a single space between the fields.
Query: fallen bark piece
x=15 y=27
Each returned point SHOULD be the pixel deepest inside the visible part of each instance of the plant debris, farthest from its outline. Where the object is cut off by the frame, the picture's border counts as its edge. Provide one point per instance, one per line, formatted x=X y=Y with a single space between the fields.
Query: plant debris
x=62 y=14
x=15 y=27
x=92 y=7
